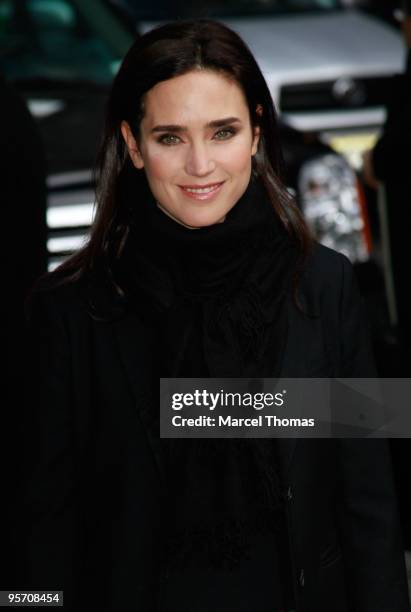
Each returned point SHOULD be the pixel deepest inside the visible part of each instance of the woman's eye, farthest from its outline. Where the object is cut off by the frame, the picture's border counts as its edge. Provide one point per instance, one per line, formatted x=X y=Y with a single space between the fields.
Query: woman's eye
x=224 y=134
x=168 y=139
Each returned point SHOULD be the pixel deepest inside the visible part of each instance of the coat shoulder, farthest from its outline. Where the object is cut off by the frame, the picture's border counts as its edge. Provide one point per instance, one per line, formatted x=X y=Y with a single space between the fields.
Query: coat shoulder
x=325 y=262
x=50 y=297
x=331 y=294
x=326 y=273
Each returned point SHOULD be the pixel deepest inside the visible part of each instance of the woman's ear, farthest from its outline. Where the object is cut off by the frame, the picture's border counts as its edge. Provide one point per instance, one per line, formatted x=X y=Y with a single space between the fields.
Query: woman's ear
x=132 y=146
x=256 y=139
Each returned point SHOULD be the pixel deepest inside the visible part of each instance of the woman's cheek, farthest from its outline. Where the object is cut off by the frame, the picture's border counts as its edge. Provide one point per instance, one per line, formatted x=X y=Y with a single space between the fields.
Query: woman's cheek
x=236 y=157
x=161 y=164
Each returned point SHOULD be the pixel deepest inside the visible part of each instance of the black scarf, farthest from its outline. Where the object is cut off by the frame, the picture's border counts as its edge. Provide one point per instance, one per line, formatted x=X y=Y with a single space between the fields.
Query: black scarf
x=216 y=297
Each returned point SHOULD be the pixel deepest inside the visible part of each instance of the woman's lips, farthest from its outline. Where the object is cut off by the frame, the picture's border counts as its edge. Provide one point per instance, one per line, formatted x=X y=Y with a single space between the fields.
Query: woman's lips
x=205 y=192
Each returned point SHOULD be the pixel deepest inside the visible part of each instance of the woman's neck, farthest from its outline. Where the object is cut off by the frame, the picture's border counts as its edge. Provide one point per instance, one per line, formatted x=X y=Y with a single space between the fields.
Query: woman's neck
x=160 y=206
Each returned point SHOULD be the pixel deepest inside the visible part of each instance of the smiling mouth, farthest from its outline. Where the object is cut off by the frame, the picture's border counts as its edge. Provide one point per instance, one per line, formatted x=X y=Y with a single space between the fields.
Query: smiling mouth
x=201 y=190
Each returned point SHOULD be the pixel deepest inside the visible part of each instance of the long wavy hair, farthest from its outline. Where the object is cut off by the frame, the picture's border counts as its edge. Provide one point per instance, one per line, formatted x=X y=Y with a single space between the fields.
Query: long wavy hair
x=163 y=53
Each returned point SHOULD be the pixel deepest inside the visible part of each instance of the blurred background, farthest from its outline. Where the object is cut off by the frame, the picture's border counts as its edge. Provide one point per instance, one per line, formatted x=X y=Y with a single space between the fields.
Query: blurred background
x=329 y=65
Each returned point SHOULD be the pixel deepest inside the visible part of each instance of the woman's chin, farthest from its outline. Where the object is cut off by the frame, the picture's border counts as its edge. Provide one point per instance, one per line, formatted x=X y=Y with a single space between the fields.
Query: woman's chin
x=194 y=219
x=194 y=222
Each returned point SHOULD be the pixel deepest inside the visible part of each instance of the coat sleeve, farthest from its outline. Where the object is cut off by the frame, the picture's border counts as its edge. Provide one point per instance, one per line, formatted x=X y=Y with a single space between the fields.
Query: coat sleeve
x=49 y=500
x=367 y=509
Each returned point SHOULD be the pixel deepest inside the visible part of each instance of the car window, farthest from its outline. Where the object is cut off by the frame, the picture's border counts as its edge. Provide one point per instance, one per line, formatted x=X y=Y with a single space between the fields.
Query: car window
x=51 y=39
x=56 y=14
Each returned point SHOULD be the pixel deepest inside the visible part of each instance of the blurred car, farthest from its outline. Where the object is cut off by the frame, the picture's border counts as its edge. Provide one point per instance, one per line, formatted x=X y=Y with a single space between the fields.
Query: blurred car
x=63 y=54
x=389 y=11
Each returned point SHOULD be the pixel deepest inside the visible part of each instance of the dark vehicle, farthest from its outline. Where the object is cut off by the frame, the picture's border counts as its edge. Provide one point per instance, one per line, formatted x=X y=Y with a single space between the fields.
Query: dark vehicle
x=62 y=55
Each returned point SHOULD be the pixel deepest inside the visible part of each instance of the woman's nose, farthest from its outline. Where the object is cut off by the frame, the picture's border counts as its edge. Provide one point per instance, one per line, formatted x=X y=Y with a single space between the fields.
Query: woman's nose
x=199 y=162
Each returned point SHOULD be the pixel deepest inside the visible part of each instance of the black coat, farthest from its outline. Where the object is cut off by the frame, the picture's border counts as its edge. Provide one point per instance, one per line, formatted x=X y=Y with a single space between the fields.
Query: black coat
x=23 y=257
x=96 y=498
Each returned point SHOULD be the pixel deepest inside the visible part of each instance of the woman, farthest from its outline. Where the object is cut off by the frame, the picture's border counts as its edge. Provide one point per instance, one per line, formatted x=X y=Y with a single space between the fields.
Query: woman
x=198 y=265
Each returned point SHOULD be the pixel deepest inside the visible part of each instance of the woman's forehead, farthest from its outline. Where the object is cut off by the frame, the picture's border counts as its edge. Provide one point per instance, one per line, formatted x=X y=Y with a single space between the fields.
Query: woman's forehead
x=199 y=97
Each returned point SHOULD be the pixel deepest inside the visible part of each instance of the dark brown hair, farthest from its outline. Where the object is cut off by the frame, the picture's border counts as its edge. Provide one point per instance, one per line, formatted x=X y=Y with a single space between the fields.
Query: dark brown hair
x=163 y=53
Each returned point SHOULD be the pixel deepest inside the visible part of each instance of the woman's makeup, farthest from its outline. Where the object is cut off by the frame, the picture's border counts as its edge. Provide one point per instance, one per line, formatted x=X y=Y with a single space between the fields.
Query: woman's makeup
x=202 y=192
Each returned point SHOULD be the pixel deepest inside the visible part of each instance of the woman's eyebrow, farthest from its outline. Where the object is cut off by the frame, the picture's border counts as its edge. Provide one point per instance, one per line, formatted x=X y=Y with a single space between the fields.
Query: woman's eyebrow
x=183 y=128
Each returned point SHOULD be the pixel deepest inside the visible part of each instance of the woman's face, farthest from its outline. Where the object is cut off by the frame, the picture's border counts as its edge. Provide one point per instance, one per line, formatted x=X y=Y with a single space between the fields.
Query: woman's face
x=195 y=146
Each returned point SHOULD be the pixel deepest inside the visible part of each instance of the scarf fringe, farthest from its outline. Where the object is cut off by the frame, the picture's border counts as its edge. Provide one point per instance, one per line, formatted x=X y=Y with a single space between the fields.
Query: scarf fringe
x=224 y=545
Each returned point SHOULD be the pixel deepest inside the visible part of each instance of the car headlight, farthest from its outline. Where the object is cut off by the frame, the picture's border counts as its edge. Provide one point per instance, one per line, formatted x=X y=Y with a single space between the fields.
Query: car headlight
x=333 y=206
